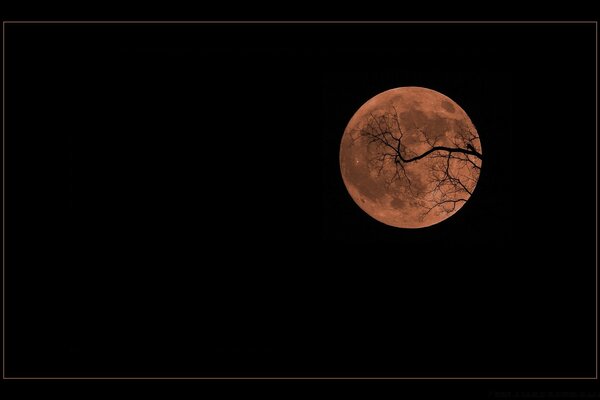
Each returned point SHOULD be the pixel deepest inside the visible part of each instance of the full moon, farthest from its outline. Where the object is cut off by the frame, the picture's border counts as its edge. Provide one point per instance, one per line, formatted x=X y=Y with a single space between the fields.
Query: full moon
x=410 y=157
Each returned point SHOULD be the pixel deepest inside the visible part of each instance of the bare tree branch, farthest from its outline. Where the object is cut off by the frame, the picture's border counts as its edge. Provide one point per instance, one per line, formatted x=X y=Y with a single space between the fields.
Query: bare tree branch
x=453 y=164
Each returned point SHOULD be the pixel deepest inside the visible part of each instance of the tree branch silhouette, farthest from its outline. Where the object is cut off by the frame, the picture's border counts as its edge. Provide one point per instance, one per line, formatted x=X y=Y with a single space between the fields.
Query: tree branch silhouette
x=453 y=164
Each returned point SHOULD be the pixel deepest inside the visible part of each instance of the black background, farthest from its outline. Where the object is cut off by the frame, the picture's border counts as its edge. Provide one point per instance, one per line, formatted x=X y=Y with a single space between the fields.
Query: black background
x=174 y=205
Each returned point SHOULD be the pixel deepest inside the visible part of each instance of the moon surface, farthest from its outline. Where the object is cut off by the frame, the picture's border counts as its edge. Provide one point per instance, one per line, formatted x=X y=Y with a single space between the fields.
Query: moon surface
x=410 y=157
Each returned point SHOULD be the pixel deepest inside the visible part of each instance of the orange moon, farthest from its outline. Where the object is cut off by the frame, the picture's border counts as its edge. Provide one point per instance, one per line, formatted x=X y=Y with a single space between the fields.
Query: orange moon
x=410 y=157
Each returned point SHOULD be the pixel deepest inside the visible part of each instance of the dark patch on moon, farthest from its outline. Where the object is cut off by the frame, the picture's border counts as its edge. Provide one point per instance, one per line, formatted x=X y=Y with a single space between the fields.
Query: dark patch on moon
x=446 y=105
x=367 y=186
x=419 y=183
x=397 y=203
x=432 y=125
x=414 y=119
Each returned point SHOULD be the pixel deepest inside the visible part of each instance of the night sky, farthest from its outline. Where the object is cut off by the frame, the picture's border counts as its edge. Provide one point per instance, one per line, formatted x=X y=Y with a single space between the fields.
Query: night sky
x=174 y=204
